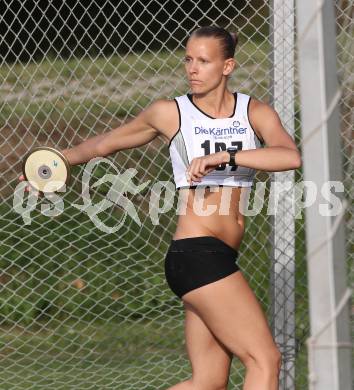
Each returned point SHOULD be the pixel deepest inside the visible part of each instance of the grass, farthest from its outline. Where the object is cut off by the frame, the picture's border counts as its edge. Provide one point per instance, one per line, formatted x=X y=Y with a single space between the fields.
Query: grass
x=117 y=356
x=129 y=355
x=85 y=89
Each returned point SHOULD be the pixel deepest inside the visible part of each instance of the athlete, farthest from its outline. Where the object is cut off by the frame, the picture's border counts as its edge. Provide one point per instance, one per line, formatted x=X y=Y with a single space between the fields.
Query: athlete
x=214 y=138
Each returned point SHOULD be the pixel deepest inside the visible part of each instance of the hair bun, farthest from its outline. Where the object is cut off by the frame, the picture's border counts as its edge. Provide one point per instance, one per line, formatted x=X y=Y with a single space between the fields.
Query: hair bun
x=234 y=37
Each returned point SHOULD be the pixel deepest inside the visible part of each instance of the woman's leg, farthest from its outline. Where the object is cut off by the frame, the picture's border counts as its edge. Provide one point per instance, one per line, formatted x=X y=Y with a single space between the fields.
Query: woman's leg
x=233 y=314
x=210 y=360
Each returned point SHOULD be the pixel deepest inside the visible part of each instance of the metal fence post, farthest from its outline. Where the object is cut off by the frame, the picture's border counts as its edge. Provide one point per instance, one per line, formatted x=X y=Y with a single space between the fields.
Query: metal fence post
x=329 y=348
x=283 y=233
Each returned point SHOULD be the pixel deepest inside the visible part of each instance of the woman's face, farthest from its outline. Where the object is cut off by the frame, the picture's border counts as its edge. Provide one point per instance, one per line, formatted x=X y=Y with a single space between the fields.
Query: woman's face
x=205 y=64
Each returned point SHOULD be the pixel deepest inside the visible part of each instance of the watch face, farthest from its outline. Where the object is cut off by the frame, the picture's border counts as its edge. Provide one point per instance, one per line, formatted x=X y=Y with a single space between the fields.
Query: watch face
x=231 y=149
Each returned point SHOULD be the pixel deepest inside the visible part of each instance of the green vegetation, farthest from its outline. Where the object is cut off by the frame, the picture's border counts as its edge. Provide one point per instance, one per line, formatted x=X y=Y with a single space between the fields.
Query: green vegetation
x=84 y=91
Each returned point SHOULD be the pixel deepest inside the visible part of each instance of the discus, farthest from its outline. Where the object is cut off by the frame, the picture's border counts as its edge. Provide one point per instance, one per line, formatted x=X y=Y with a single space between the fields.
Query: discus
x=46 y=169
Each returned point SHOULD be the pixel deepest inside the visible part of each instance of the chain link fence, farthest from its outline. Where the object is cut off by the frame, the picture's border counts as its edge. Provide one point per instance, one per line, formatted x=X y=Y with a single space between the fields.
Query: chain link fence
x=84 y=308
x=345 y=66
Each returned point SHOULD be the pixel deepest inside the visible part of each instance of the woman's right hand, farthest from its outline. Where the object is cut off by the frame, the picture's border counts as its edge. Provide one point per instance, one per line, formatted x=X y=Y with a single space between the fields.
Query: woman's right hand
x=27 y=188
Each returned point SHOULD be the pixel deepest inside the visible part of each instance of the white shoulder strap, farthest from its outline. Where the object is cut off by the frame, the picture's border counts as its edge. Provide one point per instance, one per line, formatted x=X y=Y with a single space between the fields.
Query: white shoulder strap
x=242 y=104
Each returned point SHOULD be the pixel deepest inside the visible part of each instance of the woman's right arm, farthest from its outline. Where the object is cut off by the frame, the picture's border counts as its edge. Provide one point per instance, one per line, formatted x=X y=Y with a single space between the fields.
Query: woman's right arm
x=160 y=118
x=140 y=131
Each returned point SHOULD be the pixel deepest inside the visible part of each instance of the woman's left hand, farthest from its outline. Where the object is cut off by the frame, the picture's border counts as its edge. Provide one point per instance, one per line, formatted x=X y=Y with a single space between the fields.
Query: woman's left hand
x=201 y=166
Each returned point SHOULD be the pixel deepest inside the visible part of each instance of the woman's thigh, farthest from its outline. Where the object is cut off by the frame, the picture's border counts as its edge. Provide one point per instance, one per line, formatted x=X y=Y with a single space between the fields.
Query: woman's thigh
x=231 y=311
x=209 y=358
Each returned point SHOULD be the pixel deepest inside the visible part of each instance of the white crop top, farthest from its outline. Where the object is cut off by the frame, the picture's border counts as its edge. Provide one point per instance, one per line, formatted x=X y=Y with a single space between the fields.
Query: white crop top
x=200 y=134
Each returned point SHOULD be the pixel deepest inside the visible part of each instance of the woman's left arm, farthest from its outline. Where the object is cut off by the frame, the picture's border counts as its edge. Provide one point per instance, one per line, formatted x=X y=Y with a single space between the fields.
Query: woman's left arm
x=280 y=153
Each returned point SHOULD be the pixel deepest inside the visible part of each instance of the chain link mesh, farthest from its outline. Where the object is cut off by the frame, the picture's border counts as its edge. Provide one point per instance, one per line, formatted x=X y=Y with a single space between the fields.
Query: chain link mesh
x=345 y=64
x=84 y=309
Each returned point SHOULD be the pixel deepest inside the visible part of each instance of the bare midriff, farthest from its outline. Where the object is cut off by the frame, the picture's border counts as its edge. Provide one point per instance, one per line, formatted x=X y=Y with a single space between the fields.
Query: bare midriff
x=215 y=213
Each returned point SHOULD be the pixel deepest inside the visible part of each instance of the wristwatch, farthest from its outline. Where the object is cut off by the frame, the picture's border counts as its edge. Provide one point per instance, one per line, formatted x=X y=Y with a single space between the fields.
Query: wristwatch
x=232 y=150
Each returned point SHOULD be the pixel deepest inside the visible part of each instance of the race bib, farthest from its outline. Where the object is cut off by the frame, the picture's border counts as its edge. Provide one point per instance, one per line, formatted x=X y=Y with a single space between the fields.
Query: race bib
x=207 y=140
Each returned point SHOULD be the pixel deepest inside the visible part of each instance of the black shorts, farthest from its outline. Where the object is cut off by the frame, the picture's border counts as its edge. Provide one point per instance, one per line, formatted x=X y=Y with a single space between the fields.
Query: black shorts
x=196 y=261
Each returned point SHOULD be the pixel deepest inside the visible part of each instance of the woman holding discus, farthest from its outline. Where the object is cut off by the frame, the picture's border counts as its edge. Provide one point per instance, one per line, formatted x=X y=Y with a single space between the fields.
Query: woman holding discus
x=214 y=138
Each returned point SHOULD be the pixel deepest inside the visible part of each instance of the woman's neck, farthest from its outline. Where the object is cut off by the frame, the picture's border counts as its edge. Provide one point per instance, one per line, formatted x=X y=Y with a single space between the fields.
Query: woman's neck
x=215 y=103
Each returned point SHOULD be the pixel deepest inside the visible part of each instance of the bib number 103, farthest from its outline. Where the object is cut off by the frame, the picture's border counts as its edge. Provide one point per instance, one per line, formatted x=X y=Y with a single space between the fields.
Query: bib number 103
x=220 y=146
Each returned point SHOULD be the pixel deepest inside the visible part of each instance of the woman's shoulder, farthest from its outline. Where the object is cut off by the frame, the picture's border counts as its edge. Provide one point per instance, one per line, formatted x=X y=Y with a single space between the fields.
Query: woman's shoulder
x=260 y=108
x=163 y=115
x=262 y=115
x=163 y=107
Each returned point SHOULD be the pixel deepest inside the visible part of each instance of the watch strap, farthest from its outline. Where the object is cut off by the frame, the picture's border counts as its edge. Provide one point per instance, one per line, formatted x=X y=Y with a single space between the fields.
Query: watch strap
x=232 y=152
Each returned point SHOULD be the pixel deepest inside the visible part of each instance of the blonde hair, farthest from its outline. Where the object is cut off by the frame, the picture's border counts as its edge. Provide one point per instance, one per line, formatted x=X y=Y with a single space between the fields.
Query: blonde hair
x=227 y=40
